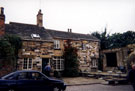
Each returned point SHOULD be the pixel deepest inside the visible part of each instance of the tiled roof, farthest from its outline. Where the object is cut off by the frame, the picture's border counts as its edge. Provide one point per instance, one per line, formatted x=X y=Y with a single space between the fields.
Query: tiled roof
x=25 y=30
x=70 y=35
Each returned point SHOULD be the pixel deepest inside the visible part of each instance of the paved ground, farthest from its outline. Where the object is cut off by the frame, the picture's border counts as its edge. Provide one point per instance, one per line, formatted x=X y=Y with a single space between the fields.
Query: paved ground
x=82 y=80
x=100 y=87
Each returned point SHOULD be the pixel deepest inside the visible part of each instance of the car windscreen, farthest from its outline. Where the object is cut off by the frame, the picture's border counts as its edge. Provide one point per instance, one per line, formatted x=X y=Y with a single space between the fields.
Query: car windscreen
x=9 y=76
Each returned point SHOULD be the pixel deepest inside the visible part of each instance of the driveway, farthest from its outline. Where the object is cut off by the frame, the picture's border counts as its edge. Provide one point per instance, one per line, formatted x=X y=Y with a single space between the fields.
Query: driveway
x=100 y=87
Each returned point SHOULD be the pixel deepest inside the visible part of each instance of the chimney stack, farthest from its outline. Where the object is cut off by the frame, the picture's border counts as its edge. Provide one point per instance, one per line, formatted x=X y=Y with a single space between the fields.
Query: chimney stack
x=40 y=18
x=2 y=21
x=69 y=30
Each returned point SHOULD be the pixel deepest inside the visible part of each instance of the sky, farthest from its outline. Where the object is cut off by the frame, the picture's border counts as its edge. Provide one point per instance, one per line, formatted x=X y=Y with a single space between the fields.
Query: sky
x=82 y=16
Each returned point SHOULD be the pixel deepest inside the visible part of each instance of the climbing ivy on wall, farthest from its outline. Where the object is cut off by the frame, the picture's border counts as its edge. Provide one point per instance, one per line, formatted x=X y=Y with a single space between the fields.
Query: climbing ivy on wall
x=71 y=61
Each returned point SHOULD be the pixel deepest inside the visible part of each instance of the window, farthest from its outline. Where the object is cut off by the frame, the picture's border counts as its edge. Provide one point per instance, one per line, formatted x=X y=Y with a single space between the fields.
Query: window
x=58 y=63
x=10 y=77
x=37 y=76
x=35 y=36
x=22 y=76
x=27 y=63
x=56 y=44
x=30 y=76
x=84 y=46
x=85 y=60
x=94 y=63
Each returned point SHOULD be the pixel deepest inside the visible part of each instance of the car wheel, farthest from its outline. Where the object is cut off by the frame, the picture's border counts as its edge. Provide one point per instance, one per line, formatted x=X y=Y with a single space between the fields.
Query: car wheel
x=11 y=90
x=57 y=89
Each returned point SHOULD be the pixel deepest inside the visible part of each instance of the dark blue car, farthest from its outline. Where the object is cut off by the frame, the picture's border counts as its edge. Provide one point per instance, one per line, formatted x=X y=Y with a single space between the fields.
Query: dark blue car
x=30 y=81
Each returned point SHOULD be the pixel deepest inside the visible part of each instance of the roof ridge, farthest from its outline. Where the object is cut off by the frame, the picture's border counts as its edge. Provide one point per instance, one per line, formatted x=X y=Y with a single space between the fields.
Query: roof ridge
x=22 y=23
x=63 y=34
x=67 y=32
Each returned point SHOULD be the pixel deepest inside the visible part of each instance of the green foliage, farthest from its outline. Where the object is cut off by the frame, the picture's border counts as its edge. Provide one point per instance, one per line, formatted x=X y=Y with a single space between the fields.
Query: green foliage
x=6 y=50
x=71 y=61
x=103 y=37
x=15 y=42
x=115 y=40
x=9 y=46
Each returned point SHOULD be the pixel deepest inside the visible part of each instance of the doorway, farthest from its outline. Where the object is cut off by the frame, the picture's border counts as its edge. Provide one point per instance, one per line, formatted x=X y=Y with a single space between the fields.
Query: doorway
x=111 y=59
x=45 y=61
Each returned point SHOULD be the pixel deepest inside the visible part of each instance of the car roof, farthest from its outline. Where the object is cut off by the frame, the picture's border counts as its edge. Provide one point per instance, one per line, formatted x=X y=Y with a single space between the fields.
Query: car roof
x=26 y=71
x=19 y=71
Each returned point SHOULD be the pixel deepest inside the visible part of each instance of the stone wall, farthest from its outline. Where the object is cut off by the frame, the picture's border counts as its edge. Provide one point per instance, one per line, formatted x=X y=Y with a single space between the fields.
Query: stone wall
x=121 y=56
x=88 y=53
x=35 y=50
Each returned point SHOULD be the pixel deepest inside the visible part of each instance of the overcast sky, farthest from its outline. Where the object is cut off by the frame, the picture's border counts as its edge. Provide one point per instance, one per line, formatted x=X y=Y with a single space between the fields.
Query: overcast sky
x=83 y=16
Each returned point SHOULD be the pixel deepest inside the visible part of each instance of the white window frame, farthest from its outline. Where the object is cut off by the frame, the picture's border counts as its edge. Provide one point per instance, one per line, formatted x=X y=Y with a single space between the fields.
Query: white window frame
x=94 y=63
x=27 y=64
x=56 y=44
x=60 y=66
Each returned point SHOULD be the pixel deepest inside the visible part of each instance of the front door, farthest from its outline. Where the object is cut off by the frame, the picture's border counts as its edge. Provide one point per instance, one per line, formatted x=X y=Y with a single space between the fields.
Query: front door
x=45 y=61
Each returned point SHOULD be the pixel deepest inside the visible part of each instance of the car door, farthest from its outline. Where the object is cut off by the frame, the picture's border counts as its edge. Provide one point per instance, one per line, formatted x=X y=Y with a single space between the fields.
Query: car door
x=40 y=82
x=23 y=83
x=9 y=83
x=43 y=85
x=33 y=81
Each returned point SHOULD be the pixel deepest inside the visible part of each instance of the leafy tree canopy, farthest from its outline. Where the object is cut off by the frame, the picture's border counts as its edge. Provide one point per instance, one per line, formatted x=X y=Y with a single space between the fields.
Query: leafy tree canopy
x=115 y=40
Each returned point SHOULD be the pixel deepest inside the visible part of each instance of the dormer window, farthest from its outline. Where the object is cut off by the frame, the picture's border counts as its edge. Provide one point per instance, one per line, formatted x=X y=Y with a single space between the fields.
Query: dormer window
x=35 y=36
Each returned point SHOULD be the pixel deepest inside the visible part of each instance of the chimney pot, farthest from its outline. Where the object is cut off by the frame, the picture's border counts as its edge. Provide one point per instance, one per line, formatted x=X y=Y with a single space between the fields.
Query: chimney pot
x=70 y=30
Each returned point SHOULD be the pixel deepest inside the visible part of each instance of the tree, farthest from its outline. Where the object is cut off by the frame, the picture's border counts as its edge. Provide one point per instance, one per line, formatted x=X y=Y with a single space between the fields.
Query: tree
x=103 y=37
x=15 y=42
x=116 y=40
x=71 y=61
x=9 y=46
x=6 y=50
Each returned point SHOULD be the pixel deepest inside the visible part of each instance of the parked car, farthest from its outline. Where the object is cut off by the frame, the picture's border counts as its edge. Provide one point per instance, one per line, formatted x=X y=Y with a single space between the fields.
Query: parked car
x=30 y=81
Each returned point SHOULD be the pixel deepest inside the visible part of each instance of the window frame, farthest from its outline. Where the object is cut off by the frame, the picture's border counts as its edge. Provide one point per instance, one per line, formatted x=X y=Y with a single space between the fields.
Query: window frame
x=58 y=63
x=27 y=64
x=94 y=63
x=56 y=44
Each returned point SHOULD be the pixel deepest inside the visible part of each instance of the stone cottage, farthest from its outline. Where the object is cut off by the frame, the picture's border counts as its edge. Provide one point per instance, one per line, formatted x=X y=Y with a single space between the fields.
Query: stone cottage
x=41 y=46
